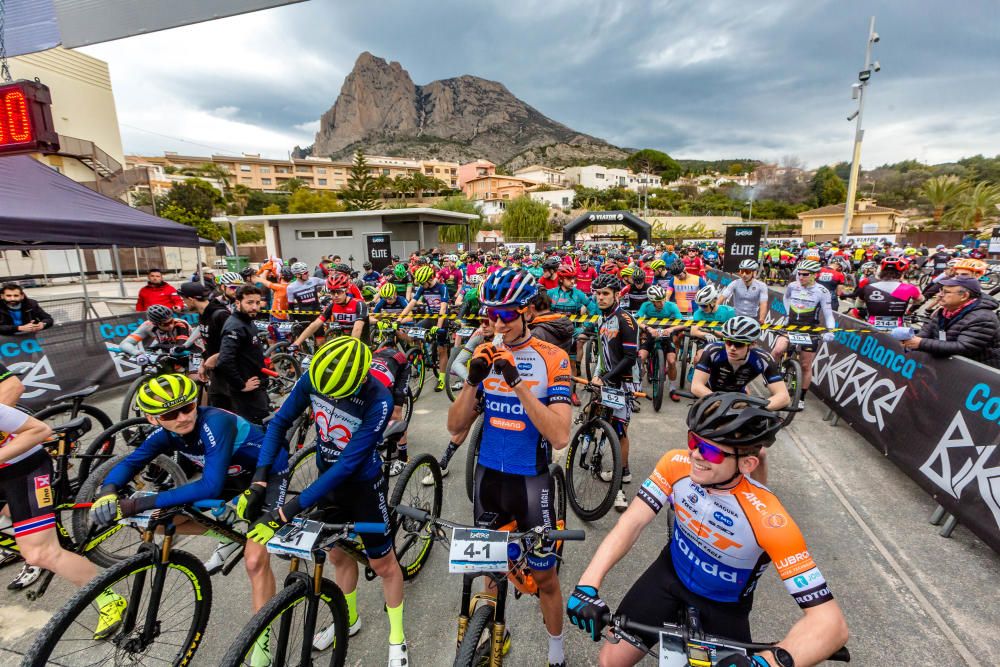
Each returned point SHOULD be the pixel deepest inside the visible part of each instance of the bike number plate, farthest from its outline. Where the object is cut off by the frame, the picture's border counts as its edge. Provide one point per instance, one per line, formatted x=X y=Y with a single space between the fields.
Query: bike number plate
x=417 y=333
x=672 y=652
x=296 y=539
x=194 y=363
x=465 y=332
x=305 y=362
x=477 y=550
x=799 y=339
x=885 y=323
x=613 y=398
x=140 y=520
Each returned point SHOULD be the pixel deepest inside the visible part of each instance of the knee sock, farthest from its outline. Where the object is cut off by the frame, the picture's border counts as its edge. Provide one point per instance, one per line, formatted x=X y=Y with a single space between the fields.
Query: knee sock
x=448 y=453
x=396 y=635
x=556 y=654
x=403 y=455
x=352 y=606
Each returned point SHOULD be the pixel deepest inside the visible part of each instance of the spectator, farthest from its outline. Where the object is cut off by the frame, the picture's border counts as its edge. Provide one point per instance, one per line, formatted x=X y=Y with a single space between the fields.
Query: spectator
x=551 y=327
x=212 y=317
x=241 y=358
x=965 y=325
x=157 y=291
x=19 y=314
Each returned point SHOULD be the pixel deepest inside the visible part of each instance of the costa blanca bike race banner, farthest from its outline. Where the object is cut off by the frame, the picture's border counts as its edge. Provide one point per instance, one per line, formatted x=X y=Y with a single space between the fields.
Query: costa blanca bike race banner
x=936 y=419
x=71 y=356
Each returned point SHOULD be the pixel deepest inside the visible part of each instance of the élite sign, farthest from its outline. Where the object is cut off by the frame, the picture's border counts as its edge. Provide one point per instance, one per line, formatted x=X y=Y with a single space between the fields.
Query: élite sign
x=379 y=251
x=742 y=242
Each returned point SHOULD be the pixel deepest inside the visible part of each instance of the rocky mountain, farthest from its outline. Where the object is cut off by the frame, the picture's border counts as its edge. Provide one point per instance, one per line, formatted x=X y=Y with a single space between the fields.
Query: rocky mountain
x=381 y=111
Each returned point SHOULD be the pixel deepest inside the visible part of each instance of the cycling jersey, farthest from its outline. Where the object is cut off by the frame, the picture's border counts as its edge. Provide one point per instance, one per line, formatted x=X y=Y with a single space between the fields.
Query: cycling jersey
x=887 y=301
x=548 y=283
x=804 y=304
x=746 y=299
x=304 y=295
x=383 y=305
x=939 y=262
x=584 y=277
x=568 y=301
x=830 y=279
x=179 y=334
x=720 y=314
x=470 y=268
x=451 y=279
x=470 y=303
x=722 y=376
x=390 y=367
x=432 y=297
x=619 y=345
x=668 y=311
x=694 y=265
x=279 y=299
x=221 y=444
x=348 y=431
x=511 y=442
x=12 y=419
x=634 y=297
x=345 y=314
x=722 y=541
x=661 y=280
x=372 y=278
x=682 y=292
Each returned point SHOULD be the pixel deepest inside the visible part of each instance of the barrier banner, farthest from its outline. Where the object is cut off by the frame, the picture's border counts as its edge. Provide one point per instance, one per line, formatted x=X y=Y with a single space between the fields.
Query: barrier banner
x=936 y=419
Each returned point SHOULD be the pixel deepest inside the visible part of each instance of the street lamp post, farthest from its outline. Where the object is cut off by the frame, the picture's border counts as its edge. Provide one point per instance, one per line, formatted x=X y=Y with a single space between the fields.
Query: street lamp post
x=859 y=94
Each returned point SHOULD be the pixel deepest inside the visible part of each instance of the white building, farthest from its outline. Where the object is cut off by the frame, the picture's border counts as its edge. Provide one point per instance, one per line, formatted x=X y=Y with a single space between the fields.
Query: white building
x=639 y=182
x=601 y=178
x=542 y=174
x=555 y=198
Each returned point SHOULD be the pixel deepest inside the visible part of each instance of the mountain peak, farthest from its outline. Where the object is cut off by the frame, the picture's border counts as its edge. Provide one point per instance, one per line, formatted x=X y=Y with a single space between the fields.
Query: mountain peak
x=382 y=111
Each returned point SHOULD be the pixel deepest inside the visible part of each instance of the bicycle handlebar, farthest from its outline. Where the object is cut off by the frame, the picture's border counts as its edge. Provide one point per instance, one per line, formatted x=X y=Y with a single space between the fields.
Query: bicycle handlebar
x=586 y=383
x=551 y=533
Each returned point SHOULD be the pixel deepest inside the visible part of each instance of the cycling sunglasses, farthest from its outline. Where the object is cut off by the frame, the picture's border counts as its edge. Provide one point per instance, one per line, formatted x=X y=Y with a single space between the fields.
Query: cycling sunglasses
x=739 y=345
x=708 y=451
x=505 y=315
x=176 y=412
x=805 y=274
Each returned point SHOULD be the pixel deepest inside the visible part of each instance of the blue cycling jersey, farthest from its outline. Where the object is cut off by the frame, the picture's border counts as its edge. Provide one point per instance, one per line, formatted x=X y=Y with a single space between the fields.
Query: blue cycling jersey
x=348 y=431
x=568 y=301
x=221 y=444
x=383 y=305
x=432 y=297
x=721 y=314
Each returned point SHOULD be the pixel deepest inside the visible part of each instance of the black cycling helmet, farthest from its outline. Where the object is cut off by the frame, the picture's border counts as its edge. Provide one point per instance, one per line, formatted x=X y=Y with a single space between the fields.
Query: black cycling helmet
x=735 y=419
x=551 y=264
x=159 y=314
x=286 y=274
x=607 y=281
x=367 y=265
x=248 y=274
x=676 y=268
x=341 y=268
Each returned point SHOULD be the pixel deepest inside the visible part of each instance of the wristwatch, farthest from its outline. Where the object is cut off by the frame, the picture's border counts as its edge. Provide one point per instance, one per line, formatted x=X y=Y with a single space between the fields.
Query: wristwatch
x=783 y=657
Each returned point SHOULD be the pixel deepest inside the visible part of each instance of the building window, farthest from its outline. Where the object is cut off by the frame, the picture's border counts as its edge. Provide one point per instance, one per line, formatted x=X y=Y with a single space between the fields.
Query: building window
x=245 y=167
x=301 y=169
x=282 y=170
x=321 y=170
x=344 y=234
x=246 y=179
x=565 y=202
x=817 y=224
x=600 y=176
x=385 y=172
x=265 y=170
x=265 y=181
x=322 y=181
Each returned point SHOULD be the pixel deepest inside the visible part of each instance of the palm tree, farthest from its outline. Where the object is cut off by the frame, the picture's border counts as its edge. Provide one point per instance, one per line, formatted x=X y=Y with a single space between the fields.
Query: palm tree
x=402 y=185
x=384 y=185
x=421 y=184
x=978 y=203
x=941 y=192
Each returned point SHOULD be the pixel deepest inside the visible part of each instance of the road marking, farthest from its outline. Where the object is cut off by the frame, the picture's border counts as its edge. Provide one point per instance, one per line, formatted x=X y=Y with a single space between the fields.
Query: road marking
x=911 y=585
x=17 y=621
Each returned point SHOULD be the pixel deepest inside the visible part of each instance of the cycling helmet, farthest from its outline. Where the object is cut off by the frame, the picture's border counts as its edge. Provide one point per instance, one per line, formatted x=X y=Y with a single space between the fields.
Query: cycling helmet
x=248 y=274
x=480 y=270
x=387 y=291
x=741 y=329
x=159 y=314
x=809 y=265
x=748 y=265
x=707 y=295
x=338 y=281
x=609 y=268
x=734 y=419
x=952 y=263
x=657 y=264
x=340 y=367
x=656 y=293
x=677 y=268
x=399 y=271
x=566 y=271
x=423 y=275
x=939 y=246
x=607 y=281
x=474 y=279
x=627 y=272
x=165 y=392
x=897 y=263
x=341 y=268
x=300 y=267
x=507 y=287
x=287 y=275
x=367 y=265
x=551 y=264
x=230 y=278
x=368 y=292
x=975 y=266
x=869 y=266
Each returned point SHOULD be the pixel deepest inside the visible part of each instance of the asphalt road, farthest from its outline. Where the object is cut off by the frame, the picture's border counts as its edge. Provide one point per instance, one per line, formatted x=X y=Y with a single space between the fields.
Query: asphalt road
x=910 y=596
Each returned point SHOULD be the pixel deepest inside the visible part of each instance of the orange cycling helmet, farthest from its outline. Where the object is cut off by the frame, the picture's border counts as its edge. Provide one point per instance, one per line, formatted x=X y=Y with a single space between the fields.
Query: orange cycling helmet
x=976 y=267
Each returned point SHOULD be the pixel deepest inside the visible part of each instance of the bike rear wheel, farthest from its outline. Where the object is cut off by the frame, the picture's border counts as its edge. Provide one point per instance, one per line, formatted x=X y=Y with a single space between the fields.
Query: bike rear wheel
x=68 y=637
x=415 y=357
x=656 y=378
x=474 y=651
x=413 y=539
x=791 y=373
x=302 y=470
x=472 y=456
x=589 y=361
x=450 y=377
x=119 y=439
x=285 y=616
x=288 y=369
x=594 y=450
x=128 y=405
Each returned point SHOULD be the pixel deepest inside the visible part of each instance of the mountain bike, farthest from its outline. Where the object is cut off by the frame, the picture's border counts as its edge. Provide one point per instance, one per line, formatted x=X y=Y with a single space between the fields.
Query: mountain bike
x=155 y=360
x=498 y=554
x=423 y=355
x=656 y=372
x=168 y=596
x=461 y=337
x=594 y=451
x=791 y=372
x=306 y=602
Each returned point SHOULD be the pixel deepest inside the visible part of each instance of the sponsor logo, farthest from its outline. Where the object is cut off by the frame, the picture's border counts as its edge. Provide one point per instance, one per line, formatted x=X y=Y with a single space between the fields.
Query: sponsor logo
x=507 y=424
x=776 y=521
x=564 y=364
x=680 y=458
x=693 y=498
x=478 y=535
x=851 y=380
x=723 y=519
x=792 y=560
x=980 y=401
x=26 y=346
x=755 y=502
x=710 y=568
x=504 y=408
x=814 y=596
x=34 y=374
x=523 y=366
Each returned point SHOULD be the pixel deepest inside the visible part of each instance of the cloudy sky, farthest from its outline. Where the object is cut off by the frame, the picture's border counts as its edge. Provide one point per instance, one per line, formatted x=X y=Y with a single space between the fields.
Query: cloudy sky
x=700 y=79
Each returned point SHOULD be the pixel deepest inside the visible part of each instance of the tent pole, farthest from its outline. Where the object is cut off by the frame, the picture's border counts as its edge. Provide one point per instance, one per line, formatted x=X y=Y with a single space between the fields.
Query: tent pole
x=197 y=261
x=118 y=270
x=135 y=255
x=83 y=281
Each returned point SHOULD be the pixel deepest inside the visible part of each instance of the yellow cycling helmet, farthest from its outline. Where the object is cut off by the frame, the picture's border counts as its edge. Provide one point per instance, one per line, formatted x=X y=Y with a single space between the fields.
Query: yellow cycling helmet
x=340 y=367
x=657 y=264
x=481 y=270
x=627 y=272
x=387 y=291
x=165 y=392
x=423 y=275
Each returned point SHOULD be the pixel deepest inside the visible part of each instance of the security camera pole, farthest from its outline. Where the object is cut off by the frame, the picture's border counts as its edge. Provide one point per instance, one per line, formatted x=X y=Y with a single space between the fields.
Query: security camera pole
x=858 y=91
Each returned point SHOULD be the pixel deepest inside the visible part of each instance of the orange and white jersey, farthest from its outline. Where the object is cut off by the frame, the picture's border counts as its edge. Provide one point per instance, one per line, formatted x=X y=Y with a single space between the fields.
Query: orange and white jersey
x=724 y=540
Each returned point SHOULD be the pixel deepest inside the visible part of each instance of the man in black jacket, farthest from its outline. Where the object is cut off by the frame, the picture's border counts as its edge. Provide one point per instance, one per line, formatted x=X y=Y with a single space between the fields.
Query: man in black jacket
x=20 y=315
x=966 y=324
x=551 y=327
x=212 y=317
x=241 y=357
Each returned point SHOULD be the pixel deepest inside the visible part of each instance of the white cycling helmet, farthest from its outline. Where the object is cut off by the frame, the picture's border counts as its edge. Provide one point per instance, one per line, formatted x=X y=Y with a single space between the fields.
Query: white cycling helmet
x=707 y=295
x=300 y=267
x=230 y=278
x=656 y=293
x=474 y=279
x=748 y=265
x=809 y=265
x=741 y=329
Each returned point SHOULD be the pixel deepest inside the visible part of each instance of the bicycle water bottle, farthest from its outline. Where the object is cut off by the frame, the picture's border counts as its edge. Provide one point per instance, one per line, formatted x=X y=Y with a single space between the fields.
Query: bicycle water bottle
x=584 y=445
x=513 y=551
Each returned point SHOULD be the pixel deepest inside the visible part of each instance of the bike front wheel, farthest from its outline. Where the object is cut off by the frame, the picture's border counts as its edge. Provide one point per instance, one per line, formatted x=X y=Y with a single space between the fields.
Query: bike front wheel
x=791 y=373
x=415 y=357
x=275 y=634
x=475 y=649
x=656 y=379
x=180 y=619
x=593 y=469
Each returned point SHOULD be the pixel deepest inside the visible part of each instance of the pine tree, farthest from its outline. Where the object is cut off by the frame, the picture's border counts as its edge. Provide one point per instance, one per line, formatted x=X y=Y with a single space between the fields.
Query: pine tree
x=361 y=193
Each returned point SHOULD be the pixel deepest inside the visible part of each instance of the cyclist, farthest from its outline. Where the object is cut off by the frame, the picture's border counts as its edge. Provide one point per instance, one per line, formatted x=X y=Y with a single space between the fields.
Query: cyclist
x=682 y=288
x=805 y=302
x=568 y=300
x=657 y=307
x=585 y=274
x=370 y=276
x=345 y=271
x=352 y=410
x=229 y=282
x=884 y=303
x=390 y=367
x=212 y=317
x=709 y=310
x=402 y=279
x=550 y=270
x=939 y=260
x=618 y=340
x=388 y=302
x=161 y=327
x=468 y=299
x=634 y=293
x=279 y=293
x=749 y=295
x=523 y=386
x=434 y=296
x=303 y=293
x=711 y=563
x=833 y=279
x=344 y=312
x=693 y=263
x=226 y=448
x=450 y=276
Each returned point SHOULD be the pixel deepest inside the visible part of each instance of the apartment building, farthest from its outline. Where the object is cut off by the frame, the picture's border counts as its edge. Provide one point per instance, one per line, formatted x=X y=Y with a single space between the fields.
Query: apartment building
x=477 y=169
x=543 y=174
x=491 y=193
x=446 y=172
x=598 y=177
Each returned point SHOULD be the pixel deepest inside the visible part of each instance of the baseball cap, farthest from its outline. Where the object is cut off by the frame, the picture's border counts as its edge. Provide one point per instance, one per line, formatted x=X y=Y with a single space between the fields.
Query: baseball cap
x=970 y=284
x=193 y=290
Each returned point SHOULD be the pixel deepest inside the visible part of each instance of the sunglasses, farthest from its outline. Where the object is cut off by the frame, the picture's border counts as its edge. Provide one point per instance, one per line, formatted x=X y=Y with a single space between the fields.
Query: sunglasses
x=233 y=287
x=736 y=344
x=505 y=315
x=176 y=412
x=708 y=451
x=804 y=274
x=336 y=292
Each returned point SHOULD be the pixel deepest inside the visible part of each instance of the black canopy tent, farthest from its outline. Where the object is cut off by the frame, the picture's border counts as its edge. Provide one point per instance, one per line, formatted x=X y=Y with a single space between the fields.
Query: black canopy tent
x=626 y=218
x=42 y=209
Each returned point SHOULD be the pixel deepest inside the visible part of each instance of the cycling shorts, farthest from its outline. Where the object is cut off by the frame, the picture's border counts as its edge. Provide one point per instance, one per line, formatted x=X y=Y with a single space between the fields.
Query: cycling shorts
x=26 y=487
x=648 y=343
x=811 y=347
x=658 y=597
x=362 y=500
x=526 y=500
x=442 y=334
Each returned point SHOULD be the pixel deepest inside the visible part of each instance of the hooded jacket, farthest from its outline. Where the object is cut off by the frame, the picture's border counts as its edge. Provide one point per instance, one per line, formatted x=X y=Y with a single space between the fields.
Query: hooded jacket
x=553 y=328
x=974 y=332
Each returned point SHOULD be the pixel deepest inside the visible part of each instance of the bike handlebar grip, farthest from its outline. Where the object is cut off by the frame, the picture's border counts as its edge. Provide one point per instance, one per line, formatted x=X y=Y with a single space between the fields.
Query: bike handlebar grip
x=567 y=535
x=413 y=512
x=369 y=527
x=268 y=371
x=208 y=504
x=841 y=655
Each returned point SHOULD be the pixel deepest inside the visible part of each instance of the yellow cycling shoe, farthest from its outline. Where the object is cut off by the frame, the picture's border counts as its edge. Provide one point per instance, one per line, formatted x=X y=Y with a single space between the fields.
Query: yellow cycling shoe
x=110 y=616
